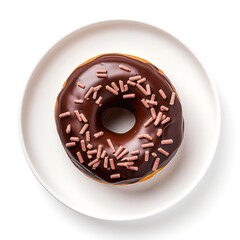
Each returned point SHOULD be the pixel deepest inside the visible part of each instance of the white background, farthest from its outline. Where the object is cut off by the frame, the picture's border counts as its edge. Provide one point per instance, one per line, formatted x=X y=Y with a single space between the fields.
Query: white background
x=29 y=28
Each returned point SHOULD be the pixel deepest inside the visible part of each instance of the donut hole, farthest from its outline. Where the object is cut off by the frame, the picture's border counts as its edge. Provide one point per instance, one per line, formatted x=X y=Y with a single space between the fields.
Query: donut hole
x=118 y=120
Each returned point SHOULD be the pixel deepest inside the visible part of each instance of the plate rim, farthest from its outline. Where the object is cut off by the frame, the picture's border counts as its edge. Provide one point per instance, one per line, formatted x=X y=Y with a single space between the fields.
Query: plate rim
x=190 y=187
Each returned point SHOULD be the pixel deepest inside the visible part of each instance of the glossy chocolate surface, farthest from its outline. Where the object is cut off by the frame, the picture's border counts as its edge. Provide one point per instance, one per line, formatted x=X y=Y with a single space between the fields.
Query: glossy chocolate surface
x=86 y=74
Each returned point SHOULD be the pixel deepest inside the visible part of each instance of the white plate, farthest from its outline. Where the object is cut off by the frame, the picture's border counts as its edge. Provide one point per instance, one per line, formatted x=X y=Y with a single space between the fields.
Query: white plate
x=47 y=157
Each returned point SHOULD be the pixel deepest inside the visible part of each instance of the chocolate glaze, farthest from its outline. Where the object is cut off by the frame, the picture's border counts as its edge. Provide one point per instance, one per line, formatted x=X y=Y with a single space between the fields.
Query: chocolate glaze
x=86 y=74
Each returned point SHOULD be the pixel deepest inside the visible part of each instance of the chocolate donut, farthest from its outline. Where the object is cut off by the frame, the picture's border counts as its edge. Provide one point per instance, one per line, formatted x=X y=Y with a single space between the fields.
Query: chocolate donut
x=117 y=80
